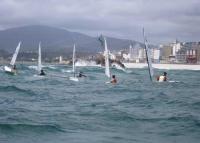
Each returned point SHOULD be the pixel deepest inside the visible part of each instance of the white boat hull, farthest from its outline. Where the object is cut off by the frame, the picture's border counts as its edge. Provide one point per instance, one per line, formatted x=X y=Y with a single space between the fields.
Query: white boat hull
x=74 y=79
x=9 y=70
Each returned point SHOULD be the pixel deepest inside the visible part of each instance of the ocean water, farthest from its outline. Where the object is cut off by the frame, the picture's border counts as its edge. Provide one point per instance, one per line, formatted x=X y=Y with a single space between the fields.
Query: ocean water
x=56 y=110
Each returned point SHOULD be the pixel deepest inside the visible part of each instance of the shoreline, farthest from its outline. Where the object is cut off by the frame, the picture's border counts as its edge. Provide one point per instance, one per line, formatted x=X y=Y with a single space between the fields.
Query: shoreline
x=127 y=65
x=163 y=66
x=31 y=63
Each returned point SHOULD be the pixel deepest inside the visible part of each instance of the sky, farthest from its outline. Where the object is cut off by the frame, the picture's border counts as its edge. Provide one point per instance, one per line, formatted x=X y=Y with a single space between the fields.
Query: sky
x=163 y=20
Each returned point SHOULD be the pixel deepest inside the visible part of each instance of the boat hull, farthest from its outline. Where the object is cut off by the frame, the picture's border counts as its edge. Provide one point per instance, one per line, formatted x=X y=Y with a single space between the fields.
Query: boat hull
x=74 y=79
x=9 y=70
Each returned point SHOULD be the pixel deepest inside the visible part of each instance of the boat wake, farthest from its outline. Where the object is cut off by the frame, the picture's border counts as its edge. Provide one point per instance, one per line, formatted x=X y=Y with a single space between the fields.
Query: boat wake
x=66 y=71
x=33 y=67
x=84 y=63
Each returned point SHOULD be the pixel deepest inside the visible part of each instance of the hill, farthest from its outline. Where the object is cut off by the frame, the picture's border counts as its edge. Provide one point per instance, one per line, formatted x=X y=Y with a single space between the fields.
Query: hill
x=55 y=40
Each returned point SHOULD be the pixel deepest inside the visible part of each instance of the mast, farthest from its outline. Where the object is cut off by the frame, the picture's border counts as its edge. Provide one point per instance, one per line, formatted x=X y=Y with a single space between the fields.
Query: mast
x=149 y=62
x=73 y=60
x=39 y=58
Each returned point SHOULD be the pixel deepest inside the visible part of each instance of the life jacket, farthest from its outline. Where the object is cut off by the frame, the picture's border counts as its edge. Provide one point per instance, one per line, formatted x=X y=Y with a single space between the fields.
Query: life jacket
x=162 y=78
x=114 y=81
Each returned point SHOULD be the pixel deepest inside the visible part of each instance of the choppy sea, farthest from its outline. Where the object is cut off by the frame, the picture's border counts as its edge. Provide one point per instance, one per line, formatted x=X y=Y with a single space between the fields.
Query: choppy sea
x=56 y=110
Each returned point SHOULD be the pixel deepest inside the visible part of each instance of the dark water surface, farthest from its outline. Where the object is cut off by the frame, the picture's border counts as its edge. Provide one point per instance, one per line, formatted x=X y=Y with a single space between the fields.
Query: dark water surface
x=57 y=110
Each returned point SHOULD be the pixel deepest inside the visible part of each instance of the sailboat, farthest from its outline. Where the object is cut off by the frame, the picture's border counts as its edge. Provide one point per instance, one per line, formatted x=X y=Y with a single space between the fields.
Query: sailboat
x=106 y=54
x=12 y=69
x=148 y=57
x=40 y=71
x=107 y=65
x=74 y=78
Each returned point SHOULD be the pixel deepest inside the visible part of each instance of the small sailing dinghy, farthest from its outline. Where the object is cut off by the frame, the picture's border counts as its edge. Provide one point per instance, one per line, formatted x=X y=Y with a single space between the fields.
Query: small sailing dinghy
x=107 y=64
x=40 y=70
x=149 y=61
x=41 y=73
x=74 y=78
x=12 y=68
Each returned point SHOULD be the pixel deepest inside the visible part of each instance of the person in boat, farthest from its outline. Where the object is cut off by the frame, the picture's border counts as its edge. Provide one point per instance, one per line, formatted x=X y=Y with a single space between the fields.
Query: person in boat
x=113 y=80
x=162 y=77
x=81 y=74
x=14 y=69
x=42 y=73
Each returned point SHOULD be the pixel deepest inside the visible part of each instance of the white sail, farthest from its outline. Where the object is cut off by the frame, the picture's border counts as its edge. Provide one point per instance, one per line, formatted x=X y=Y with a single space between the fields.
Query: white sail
x=73 y=60
x=39 y=59
x=74 y=78
x=148 y=57
x=15 y=54
x=106 y=53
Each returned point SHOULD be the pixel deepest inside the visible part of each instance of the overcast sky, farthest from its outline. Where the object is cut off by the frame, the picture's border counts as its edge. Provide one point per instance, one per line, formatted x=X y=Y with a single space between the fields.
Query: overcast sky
x=164 y=20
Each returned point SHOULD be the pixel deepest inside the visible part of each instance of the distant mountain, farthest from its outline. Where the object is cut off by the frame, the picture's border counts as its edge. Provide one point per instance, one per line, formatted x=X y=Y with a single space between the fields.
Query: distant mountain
x=55 y=40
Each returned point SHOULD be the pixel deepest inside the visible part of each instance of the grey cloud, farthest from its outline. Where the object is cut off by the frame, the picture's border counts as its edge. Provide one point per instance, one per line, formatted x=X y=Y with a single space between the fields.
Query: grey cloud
x=164 y=20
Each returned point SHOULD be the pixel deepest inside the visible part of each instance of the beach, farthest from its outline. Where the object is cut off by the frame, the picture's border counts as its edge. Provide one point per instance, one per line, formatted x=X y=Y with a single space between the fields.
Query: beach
x=163 y=66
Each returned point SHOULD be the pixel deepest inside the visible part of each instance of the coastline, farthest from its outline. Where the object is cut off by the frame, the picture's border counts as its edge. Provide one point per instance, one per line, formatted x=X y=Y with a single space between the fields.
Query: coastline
x=195 y=67
x=163 y=66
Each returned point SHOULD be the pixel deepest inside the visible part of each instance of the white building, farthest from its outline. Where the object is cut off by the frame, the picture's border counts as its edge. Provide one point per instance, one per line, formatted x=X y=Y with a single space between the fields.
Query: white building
x=155 y=55
x=60 y=59
x=141 y=54
x=176 y=46
x=135 y=54
x=131 y=53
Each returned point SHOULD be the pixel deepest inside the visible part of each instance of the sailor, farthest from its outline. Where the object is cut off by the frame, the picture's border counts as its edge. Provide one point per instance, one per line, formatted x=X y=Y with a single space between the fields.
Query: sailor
x=81 y=74
x=14 y=69
x=162 y=77
x=42 y=73
x=113 y=80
